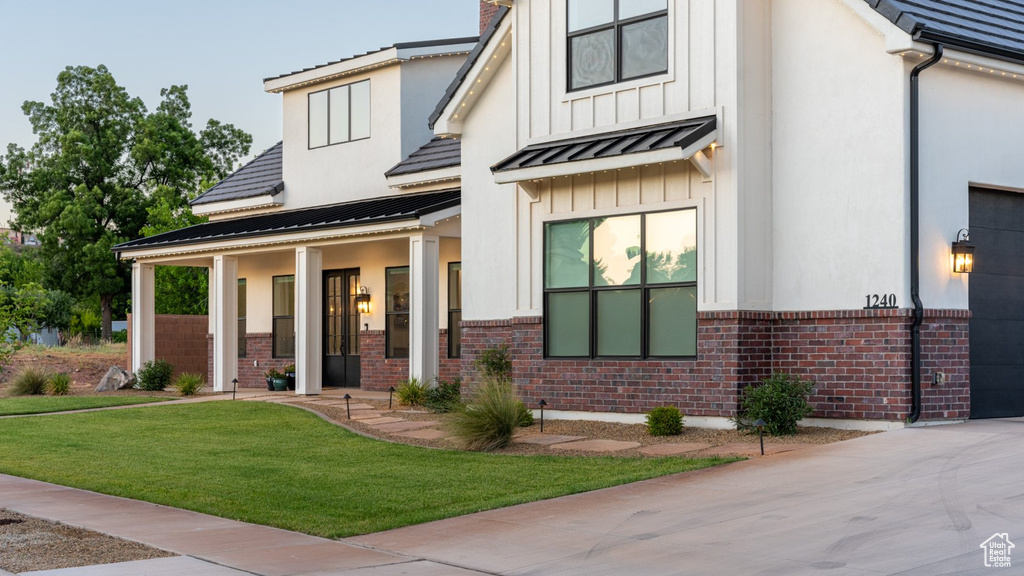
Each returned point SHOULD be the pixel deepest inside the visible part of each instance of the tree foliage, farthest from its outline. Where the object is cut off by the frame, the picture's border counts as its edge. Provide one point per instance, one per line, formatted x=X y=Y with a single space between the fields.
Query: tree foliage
x=100 y=164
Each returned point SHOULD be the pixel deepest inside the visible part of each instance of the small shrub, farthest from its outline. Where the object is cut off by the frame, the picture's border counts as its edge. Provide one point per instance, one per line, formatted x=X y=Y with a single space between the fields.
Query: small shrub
x=60 y=384
x=189 y=383
x=445 y=397
x=119 y=336
x=412 y=392
x=495 y=363
x=155 y=375
x=780 y=401
x=665 y=421
x=29 y=381
x=273 y=373
x=491 y=419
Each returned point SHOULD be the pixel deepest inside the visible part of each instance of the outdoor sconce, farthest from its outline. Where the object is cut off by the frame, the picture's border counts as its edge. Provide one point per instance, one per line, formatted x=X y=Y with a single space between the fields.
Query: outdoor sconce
x=963 y=253
x=363 y=301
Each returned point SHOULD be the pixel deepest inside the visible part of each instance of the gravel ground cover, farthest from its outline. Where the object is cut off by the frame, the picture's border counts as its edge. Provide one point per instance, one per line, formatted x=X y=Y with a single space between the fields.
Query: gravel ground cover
x=28 y=544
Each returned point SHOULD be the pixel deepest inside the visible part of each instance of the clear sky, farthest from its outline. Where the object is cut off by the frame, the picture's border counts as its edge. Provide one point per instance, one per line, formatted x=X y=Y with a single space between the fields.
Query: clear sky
x=222 y=49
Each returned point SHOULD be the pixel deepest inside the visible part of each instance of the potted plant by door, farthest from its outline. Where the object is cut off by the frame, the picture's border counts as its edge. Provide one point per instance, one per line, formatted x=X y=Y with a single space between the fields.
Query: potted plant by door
x=278 y=380
x=289 y=373
x=269 y=376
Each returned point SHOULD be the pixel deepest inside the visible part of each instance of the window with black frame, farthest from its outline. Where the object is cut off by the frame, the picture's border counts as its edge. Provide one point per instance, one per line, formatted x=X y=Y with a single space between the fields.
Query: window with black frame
x=241 y=318
x=397 y=312
x=454 y=309
x=611 y=41
x=283 y=337
x=622 y=286
x=339 y=115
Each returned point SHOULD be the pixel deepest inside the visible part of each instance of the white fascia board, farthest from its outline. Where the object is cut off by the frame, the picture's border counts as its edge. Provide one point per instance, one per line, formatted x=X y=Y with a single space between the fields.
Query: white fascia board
x=332 y=71
x=446 y=175
x=264 y=201
x=673 y=154
x=428 y=51
x=485 y=67
x=431 y=220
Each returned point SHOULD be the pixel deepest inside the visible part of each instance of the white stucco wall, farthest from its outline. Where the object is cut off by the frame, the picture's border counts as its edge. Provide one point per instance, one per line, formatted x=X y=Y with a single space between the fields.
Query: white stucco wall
x=424 y=81
x=838 y=160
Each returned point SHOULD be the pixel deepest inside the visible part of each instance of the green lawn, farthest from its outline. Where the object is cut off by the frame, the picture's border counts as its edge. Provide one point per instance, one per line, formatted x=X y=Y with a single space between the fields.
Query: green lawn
x=42 y=404
x=284 y=467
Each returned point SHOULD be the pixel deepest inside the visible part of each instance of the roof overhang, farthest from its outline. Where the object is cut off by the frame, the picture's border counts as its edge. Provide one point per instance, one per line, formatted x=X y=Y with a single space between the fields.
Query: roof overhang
x=225 y=206
x=493 y=54
x=442 y=176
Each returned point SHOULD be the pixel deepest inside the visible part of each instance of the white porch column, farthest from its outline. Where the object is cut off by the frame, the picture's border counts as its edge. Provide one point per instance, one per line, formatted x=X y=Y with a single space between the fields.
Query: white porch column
x=143 y=316
x=308 y=320
x=224 y=310
x=423 y=306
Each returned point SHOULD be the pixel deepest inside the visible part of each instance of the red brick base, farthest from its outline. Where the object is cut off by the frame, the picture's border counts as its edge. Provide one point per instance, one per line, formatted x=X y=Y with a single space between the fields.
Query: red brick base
x=858 y=359
x=178 y=340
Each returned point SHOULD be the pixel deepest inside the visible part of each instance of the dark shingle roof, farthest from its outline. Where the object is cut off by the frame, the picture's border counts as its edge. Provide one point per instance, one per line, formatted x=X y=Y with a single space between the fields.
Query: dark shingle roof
x=262 y=175
x=359 y=213
x=399 y=46
x=471 y=59
x=647 y=139
x=438 y=153
x=990 y=27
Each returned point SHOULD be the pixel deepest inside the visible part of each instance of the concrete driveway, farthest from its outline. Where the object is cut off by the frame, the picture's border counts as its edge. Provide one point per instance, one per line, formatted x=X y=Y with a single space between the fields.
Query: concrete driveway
x=918 y=501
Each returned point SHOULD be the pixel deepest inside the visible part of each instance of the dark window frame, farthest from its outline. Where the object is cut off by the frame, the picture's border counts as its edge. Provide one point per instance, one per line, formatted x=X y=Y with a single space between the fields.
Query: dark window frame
x=387 y=314
x=592 y=293
x=275 y=318
x=452 y=325
x=242 y=339
x=309 y=131
x=616 y=26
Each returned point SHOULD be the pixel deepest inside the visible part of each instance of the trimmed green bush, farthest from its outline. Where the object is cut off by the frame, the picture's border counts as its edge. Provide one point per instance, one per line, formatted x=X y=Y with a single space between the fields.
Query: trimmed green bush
x=189 y=383
x=412 y=392
x=491 y=419
x=29 y=381
x=119 y=336
x=445 y=397
x=665 y=421
x=155 y=375
x=60 y=384
x=495 y=363
x=781 y=401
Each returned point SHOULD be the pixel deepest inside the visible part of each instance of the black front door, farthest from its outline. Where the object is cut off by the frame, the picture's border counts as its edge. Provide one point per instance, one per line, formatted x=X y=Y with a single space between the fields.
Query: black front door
x=341 y=328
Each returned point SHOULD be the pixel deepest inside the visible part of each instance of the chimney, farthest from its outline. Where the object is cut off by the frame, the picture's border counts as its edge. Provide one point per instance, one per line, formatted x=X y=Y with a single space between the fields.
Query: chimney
x=487 y=12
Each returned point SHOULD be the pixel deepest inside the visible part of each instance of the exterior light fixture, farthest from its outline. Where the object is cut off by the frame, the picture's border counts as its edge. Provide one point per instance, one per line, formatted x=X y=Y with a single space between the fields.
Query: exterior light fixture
x=391 y=394
x=963 y=253
x=542 y=404
x=760 y=424
x=348 y=411
x=234 y=387
x=363 y=301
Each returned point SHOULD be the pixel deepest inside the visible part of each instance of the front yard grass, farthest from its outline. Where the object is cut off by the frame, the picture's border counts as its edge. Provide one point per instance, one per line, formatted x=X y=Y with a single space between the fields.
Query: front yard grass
x=43 y=404
x=284 y=467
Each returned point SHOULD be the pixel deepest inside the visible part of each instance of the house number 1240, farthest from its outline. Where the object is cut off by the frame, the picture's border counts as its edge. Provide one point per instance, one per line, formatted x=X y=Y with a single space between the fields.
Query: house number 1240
x=878 y=301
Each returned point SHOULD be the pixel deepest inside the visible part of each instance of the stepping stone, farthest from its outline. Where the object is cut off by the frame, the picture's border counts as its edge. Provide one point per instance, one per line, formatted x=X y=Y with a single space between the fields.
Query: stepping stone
x=546 y=439
x=366 y=415
x=744 y=449
x=381 y=420
x=424 y=434
x=404 y=426
x=597 y=445
x=671 y=449
x=358 y=405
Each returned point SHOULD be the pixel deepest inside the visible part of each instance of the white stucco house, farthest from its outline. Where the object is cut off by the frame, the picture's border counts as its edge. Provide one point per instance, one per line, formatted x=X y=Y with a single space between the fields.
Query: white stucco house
x=654 y=202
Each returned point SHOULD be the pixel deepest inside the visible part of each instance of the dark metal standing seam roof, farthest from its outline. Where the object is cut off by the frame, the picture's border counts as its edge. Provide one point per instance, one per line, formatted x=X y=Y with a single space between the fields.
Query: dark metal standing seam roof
x=647 y=139
x=436 y=154
x=262 y=175
x=471 y=59
x=990 y=27
x=359 y=213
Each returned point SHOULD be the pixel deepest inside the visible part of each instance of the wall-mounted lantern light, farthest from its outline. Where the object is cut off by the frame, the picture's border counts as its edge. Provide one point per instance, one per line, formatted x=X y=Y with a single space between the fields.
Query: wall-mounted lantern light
x=963 y=253
x=363 y=301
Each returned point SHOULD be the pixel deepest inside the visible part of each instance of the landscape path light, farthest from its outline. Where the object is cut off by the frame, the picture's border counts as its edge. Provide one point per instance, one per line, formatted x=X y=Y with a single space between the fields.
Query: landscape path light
x=542 y=404
x=391 y=392
x=760 y=432
x=234 y=387
x=348 y=411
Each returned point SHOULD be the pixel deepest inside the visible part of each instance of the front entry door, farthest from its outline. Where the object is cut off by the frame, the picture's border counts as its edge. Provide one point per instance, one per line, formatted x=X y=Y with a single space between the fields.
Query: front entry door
x=341 y=328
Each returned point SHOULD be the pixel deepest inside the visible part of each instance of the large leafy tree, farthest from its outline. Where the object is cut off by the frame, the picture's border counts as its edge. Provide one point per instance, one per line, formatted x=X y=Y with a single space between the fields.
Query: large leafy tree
x=101 y=162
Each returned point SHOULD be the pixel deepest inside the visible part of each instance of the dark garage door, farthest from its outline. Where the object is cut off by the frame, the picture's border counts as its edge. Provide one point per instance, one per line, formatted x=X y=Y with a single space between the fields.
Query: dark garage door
x=997 y=304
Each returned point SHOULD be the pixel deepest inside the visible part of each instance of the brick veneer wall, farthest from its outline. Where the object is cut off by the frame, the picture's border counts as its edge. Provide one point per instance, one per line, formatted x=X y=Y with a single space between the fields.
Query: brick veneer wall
x=375 y=371
x=487 y=12
x=179 y=340
x=859 y=360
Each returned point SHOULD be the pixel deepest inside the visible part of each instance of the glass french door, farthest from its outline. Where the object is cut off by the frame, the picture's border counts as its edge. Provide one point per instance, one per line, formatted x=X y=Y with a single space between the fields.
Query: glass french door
x=341 y=328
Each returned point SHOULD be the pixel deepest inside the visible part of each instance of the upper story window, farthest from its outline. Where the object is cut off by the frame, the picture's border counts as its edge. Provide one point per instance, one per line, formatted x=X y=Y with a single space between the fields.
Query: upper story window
x=615 y=40
x=339 y=114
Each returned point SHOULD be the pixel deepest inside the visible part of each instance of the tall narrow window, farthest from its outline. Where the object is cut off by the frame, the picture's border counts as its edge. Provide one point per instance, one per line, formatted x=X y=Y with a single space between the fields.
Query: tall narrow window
x=397 y=312
x=284 y=317
x=624 y=286
x=454 y=309
x=339 y=114
x=615 y=40
x=241 y=318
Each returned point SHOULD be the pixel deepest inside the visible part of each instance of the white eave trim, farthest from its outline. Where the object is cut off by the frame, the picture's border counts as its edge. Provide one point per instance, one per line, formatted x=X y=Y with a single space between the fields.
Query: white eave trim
x=427 y=177
x=332 y=71
x=673 y=154
x=254 y=203
x=485 y=67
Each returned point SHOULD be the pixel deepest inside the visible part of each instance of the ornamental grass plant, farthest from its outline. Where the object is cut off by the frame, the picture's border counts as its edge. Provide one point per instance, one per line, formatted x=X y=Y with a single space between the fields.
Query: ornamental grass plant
x=489 y=421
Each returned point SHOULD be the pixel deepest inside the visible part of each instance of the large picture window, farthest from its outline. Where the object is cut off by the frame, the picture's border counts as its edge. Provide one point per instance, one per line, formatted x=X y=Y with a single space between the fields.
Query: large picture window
x=621 y=287
x=615 y=40
x=241 y=318
x=397 y=312
x=339 y=114
x=454 y=309
x=284 y=317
